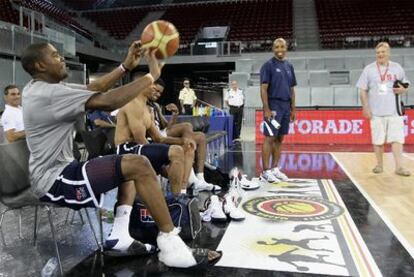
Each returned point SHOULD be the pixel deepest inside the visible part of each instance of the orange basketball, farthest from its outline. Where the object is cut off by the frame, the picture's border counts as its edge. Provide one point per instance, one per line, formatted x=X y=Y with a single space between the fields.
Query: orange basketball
x=163 y=36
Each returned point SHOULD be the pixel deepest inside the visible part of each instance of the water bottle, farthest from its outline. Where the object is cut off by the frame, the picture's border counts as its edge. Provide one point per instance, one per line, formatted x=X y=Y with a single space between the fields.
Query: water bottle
x=215 y=160
x=50 y=268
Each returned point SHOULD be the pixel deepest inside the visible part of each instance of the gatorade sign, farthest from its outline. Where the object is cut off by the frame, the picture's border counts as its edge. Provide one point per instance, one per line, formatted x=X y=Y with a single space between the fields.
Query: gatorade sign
x=332 y=127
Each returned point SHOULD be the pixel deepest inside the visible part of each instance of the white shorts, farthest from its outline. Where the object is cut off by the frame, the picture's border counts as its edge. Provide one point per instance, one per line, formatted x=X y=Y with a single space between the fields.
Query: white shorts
x=387 y=129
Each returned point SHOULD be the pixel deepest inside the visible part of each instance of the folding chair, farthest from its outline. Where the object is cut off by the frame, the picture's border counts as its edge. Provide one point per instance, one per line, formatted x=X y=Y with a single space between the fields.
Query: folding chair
x=16 y=193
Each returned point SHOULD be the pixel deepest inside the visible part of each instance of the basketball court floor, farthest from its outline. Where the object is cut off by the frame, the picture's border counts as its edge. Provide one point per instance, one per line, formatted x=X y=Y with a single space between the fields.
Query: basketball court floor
x=333 y=218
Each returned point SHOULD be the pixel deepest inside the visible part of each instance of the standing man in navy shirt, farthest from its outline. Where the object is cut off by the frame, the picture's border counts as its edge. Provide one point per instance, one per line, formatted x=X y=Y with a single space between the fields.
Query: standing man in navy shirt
x=277 y=82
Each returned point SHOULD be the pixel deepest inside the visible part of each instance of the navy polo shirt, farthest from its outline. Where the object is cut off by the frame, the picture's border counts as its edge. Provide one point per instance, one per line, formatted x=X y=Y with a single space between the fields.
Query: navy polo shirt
x=280 y=76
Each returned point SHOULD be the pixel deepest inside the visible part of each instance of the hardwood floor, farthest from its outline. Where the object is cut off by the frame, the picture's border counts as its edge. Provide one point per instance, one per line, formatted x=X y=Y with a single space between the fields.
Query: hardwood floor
x=392 y=194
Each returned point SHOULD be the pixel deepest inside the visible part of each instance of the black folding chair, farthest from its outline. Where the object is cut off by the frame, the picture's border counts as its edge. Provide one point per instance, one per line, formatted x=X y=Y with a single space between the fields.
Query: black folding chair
x=16 y=193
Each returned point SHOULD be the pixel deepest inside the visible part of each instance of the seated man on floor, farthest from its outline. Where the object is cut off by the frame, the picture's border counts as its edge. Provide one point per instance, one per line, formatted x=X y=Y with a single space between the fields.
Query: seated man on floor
x=169 y=156
x=182 y=130
x=50 y=110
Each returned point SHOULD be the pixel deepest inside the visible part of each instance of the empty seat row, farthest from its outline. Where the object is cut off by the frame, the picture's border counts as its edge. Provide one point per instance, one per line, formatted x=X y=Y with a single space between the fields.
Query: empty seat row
x=340 y=19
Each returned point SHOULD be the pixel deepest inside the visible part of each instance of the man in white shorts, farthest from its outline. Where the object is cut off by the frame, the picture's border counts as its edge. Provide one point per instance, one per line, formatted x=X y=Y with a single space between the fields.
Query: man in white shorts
x=380 y=105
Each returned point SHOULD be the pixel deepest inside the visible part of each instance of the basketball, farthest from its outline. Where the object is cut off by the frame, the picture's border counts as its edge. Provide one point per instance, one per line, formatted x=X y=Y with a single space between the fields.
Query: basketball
x=163 y=36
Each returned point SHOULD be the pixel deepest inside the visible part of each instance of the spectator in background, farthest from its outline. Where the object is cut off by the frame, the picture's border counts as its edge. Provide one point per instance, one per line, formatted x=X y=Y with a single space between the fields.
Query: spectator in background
x=380 y=105
x=234 y=98
x=12 y=118
x=187 y=98
x=100 y=119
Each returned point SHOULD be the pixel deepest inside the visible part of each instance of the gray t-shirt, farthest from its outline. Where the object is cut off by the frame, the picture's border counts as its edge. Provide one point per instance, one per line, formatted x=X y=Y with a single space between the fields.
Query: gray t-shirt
x=49 y=115
x=381 y=100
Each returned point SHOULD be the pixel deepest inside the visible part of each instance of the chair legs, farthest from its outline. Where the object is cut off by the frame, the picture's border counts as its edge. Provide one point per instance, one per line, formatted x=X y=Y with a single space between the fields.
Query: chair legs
x=99 y=215
x=20 y=224
x=101 y=236
x=35 y=227
x=52 y=228
x=1 y=229
x=92 y=229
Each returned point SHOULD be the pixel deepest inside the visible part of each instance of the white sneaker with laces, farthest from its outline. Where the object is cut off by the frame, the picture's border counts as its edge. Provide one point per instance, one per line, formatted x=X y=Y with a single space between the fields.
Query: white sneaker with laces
x=279 y=174
x=269 y=177
x=173 y=251
x=214 y=211
x=231 y=210
x=202 y=185
x=247 y=184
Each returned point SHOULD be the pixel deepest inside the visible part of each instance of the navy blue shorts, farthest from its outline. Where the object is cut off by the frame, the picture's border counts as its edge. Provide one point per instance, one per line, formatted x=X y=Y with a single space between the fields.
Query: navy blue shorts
x=282 y=109
x=81 y=184
x=157 y=153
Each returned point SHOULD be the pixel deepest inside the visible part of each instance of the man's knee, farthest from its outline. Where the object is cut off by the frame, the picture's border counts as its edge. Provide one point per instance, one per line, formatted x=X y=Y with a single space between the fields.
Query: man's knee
x=199 y=137
x=136 y=165
x=176 y=153
x=186 y=126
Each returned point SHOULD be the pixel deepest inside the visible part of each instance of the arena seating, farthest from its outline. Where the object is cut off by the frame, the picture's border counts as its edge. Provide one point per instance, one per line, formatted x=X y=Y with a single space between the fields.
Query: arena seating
x=7 y=13
x=258 y=20
x=343 y=22
x=57 y=14
x=131 y=3
x=80 y=4
x=248 y=21
x=119 y=22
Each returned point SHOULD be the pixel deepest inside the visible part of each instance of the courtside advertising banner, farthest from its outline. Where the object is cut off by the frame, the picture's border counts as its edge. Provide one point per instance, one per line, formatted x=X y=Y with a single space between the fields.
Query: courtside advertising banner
x=332 y=127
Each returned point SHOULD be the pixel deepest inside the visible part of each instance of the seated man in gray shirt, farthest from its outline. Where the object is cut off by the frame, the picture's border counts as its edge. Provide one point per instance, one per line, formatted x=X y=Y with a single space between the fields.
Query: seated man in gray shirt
x=50 y=110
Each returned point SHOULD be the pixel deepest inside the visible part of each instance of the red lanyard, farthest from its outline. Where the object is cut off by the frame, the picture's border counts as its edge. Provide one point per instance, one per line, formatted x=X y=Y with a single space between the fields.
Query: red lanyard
x=382 y=77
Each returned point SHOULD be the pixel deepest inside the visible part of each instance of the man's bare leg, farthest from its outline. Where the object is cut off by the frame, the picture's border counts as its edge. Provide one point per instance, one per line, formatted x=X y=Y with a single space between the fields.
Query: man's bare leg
x=139 y=170
x=397 y=153
x=139 y=178
x=176 y=168
x=201 y=142
x=276 y=151
x=397 y=149
x=266 y=152
x=173 y=251
x=379 y=153
x=188 y=166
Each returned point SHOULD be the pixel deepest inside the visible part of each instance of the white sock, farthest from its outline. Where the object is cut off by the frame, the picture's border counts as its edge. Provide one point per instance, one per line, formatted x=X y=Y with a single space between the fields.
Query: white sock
x=193 y=178
x=120 y=228
x=200 y=176
x=184 y=191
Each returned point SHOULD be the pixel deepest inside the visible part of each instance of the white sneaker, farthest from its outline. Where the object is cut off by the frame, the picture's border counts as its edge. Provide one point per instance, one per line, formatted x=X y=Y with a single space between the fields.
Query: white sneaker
x=235 y=189
x=247 y=184
x=279 y=174
x=214 y=211
x=173 y=251
x=231 y=210
x=269 y=177
x=202 y=185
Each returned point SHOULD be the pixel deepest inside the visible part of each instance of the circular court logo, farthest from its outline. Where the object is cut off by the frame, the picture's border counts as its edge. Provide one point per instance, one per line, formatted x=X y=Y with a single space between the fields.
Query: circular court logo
x=293 y=208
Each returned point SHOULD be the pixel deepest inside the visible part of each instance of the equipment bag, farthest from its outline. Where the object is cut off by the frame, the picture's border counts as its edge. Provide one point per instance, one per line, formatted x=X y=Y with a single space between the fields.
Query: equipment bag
x=184 y=212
